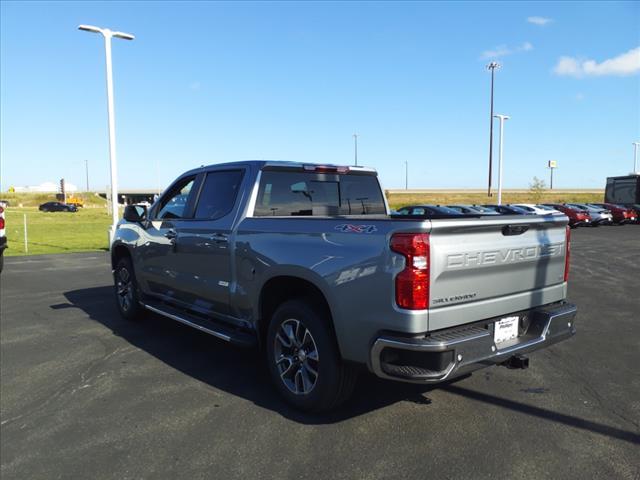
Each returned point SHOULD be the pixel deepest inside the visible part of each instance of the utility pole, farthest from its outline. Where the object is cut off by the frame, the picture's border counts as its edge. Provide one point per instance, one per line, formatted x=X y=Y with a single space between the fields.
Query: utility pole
x=502 y=119
x=108 y=35
x=635 y=156
x=492 y=66
x=355 y=147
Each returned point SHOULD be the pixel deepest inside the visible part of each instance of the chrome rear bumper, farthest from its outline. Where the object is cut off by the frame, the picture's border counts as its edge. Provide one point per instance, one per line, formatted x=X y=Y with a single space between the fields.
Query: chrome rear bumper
x=449 y=353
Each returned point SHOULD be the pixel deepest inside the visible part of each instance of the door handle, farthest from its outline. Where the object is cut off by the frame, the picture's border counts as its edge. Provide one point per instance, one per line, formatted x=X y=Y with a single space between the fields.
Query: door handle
x=220 y=237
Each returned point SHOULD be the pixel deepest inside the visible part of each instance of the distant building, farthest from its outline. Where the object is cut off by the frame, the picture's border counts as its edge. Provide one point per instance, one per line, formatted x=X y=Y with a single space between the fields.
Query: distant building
x=47 y=187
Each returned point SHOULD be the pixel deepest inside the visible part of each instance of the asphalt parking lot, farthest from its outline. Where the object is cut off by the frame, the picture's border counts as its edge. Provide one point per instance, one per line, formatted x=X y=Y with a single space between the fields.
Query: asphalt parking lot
x=85 y=394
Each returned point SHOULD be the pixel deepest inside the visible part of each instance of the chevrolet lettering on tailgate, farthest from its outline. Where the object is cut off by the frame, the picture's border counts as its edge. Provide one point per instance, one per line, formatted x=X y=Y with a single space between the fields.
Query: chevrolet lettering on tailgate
x=497 y=257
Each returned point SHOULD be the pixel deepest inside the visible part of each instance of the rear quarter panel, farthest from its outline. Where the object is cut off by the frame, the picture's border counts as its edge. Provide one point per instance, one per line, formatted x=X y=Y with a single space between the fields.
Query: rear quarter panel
x=353 y=267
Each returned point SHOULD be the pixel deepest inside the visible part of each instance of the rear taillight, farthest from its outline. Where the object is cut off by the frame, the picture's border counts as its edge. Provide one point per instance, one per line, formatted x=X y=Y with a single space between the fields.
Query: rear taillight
x=567 y=253
x=412 y=283
x=1 y=223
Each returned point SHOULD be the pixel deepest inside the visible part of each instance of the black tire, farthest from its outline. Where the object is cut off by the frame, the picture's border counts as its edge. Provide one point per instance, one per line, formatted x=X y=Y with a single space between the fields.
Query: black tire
x=1 y=260
x=334 y=380
x=126 y=290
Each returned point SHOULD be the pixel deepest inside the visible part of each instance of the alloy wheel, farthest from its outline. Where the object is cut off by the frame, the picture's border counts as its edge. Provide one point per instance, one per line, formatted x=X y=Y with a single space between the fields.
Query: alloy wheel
x=296 y=357
x=124 y=289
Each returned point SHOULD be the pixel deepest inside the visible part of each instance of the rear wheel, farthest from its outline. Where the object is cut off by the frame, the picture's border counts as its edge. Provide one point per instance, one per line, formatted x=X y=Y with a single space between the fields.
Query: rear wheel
x=303 y=358
x=126 y=290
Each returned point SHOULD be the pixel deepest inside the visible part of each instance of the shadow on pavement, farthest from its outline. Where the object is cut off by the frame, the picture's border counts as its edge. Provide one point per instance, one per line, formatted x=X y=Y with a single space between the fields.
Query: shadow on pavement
x=569 y=420
x=243 y=373
x=231 y=369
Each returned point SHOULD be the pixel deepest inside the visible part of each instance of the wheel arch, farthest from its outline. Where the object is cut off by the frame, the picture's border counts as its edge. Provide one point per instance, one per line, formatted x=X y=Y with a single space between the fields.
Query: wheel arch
x=119 y=251
x=281 y=288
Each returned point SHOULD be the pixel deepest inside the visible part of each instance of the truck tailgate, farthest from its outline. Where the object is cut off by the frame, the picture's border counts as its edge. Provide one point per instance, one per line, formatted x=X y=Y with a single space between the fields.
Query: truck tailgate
x=487 y=267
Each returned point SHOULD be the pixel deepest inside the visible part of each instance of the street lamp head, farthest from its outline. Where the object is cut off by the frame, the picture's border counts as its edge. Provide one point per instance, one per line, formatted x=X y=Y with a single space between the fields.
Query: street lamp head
x=502 y=117
x=493 y=66
x=89 y=28
x=106 y=32
x=123 y=35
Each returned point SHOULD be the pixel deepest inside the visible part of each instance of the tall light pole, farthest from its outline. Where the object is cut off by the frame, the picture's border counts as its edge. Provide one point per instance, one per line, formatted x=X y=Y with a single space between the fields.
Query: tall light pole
x=355 y=147
x=635 y=156
x=86 y=168
x=493 y=66
x=502 y=119
x=107 y=35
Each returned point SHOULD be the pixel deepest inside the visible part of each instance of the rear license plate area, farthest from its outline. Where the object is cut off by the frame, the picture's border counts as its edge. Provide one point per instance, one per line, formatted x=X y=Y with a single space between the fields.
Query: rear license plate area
x=505 y=329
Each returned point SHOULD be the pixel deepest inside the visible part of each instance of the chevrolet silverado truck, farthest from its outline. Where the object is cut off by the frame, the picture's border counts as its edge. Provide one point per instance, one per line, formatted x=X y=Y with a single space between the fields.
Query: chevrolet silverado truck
x=305 y=262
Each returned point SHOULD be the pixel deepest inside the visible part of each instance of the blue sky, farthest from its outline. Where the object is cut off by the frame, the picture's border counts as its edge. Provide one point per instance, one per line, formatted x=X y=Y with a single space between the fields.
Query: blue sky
x=207 y=83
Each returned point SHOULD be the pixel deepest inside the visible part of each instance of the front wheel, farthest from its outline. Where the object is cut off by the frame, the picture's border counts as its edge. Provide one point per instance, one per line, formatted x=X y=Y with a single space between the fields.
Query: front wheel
x=303 y=358
x=126 y=290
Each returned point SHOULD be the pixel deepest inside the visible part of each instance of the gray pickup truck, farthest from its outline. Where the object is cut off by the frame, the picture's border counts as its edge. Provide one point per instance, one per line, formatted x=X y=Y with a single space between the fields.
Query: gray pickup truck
x=305 y=262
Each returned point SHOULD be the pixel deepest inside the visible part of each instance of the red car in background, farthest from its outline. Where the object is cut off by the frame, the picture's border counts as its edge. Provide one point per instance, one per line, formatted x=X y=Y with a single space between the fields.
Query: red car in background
x=576 y=217
x=621 y=214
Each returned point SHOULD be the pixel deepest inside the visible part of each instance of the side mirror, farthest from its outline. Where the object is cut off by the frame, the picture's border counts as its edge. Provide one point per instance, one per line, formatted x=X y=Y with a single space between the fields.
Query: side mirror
x=135 y=213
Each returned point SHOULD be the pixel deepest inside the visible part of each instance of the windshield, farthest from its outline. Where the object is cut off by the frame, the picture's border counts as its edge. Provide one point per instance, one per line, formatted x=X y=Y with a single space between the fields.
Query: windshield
x=544 y=207
x=444 y=210
x=482 y=209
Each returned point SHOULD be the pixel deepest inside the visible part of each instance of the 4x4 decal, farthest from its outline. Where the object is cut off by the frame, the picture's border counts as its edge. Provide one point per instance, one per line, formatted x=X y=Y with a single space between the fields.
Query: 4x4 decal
x=348 y=228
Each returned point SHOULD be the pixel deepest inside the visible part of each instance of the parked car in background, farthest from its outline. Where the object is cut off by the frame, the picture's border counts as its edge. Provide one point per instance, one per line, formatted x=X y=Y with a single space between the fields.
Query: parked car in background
x=472 y=210
x=636 y=208
x=621 y=214
x=599 y=216
x=428 y=211
x=57 y=207
x=576 y=216
x=508 y=210
x=3 y=234
x=537 y=209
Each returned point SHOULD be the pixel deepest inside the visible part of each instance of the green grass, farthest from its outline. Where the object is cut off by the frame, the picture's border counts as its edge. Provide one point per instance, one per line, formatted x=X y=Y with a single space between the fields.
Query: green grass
x=35 y=199
x=57 y=232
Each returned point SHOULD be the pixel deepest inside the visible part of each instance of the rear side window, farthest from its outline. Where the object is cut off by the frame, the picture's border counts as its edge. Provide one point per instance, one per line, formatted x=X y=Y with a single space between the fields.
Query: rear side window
x=283 y=193
x=218 y=194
